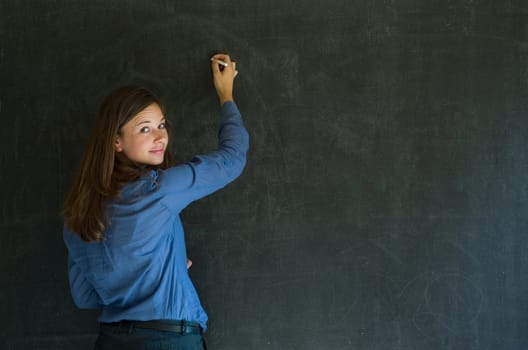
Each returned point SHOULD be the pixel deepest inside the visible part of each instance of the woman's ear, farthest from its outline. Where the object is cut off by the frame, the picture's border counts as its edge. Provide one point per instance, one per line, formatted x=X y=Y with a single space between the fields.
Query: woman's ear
x=117 y=146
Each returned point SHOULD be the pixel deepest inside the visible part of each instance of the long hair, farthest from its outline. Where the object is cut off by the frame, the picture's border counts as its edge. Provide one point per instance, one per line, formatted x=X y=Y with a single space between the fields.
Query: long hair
x=102 y=171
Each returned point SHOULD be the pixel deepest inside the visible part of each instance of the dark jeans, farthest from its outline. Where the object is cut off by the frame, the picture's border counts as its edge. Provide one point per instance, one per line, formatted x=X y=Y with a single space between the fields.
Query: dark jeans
x=113 y=338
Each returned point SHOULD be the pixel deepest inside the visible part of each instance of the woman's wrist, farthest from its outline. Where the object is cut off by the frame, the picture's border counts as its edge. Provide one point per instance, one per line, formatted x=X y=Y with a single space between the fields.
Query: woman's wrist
x=224 y=99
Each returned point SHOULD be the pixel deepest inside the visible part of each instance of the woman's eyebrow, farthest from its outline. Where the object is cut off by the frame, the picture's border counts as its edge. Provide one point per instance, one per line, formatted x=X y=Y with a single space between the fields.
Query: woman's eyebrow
x=144 y=121
x=149 y=121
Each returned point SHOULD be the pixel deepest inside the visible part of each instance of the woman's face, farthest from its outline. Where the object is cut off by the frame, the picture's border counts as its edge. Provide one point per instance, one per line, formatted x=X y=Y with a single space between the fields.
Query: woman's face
x=143 y=139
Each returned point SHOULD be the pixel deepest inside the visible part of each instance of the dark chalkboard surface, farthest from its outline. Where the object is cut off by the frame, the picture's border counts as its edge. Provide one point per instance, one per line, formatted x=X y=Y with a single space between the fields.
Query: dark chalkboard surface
x=385 y=197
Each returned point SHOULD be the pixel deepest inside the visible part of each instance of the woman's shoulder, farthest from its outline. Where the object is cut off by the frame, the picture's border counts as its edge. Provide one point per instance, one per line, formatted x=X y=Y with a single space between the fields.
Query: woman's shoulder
x=145 y=184
x=175 y=178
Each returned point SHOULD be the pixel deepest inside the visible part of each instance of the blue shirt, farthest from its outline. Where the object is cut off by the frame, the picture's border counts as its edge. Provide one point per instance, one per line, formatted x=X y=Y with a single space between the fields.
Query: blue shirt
x=139 y=270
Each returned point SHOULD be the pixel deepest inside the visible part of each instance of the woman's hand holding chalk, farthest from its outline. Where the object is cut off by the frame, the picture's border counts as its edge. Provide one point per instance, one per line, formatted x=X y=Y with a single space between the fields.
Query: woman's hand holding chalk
x=220 y=62
x=224 y=72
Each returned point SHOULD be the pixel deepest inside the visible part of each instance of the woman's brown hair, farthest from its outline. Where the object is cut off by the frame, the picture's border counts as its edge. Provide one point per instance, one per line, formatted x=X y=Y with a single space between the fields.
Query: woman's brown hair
x=102 y=172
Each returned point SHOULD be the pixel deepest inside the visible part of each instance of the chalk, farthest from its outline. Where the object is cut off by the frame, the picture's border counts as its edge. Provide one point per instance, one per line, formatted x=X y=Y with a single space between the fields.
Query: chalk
x=219 y=62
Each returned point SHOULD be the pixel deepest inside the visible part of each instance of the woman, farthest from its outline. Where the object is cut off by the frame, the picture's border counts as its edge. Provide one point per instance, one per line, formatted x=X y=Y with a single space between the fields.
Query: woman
x=126 y=249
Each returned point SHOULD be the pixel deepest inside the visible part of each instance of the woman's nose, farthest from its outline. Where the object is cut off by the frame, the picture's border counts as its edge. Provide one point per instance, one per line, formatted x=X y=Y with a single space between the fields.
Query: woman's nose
x=160 y=134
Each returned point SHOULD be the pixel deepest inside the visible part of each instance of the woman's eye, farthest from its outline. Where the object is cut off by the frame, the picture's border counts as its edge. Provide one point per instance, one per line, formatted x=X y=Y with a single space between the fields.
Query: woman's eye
x=144 y=129
x=162 y=126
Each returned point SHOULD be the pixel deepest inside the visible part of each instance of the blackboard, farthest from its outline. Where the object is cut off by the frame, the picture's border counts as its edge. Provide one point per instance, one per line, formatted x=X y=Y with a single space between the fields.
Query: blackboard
x=385 y=197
